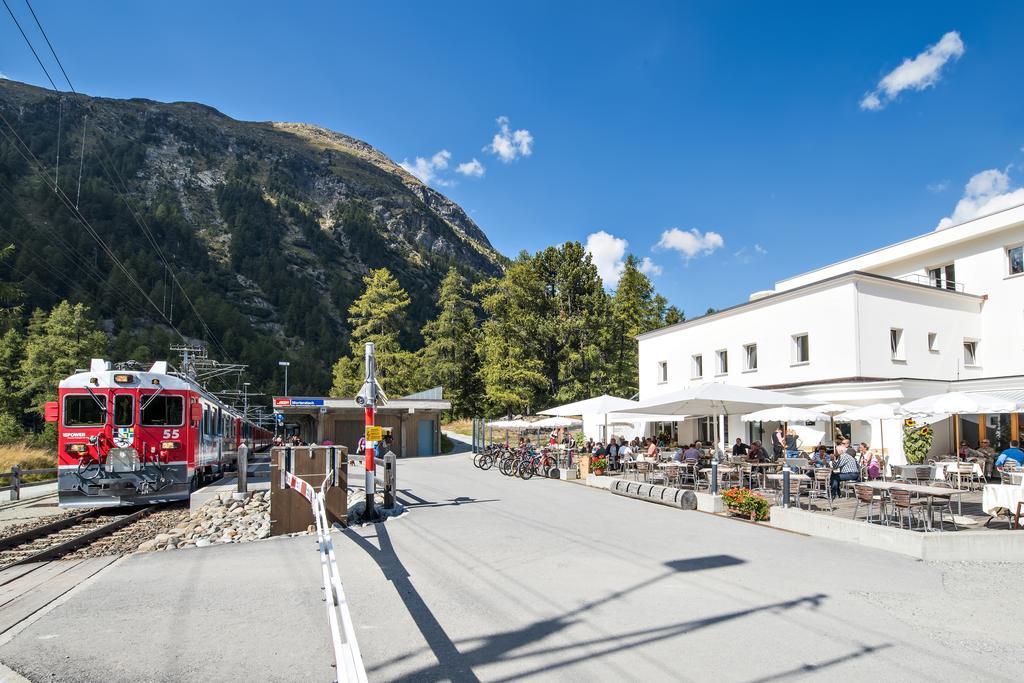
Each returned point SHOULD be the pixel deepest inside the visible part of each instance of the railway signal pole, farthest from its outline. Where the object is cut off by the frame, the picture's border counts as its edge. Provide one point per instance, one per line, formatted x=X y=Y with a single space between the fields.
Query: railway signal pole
x=368 y=398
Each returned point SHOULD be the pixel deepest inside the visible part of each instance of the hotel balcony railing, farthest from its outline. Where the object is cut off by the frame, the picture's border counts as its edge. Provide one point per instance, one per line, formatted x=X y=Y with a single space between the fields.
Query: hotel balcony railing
x=919 y=279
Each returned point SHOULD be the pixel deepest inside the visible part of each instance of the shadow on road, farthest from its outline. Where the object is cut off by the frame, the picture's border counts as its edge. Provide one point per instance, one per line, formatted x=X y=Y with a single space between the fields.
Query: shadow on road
x=456 y=665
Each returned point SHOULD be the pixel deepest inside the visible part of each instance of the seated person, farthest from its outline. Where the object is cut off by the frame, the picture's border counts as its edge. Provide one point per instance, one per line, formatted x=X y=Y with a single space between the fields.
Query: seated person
x=756 y=453
x=870 y=461
x=691 y=454
x=1012 y=453
x=599 y=450
x=846 y=469
x=625 y=453
x=739 y=448
x=820 y=458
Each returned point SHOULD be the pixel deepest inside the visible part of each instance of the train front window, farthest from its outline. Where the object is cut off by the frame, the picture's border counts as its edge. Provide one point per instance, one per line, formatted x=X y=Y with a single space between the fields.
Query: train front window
x=124 y=411
x=162 y=411
x=80 y=410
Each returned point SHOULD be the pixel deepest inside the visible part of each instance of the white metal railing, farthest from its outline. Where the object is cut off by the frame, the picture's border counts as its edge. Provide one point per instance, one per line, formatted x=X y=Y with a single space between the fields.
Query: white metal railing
x=919 y=279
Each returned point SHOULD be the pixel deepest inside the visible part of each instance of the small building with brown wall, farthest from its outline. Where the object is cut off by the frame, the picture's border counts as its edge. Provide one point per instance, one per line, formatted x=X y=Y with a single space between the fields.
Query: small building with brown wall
x=414 y=420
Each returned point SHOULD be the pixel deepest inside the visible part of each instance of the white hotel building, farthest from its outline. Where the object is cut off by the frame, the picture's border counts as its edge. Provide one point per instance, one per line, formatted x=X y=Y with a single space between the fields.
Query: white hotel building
x=943 y=311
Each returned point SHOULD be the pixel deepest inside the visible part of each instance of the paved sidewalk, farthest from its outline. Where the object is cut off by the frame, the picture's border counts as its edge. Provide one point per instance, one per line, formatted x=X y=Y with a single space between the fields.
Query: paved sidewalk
x=492 y=578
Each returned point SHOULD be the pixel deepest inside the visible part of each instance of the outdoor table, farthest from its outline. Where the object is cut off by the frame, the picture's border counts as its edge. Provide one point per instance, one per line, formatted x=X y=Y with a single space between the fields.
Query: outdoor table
x=941 y=468
x=928 y=492
x=997 y=497
x=1017 y=477
x=722 y=469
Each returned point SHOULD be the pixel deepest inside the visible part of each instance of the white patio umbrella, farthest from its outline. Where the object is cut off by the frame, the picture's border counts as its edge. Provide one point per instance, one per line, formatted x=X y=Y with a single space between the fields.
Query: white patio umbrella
x=784 y=414
x=959 y=403
x=832 y=409
x=875 y=411
x=715 y=399
x=557 y=422
x=602 y=404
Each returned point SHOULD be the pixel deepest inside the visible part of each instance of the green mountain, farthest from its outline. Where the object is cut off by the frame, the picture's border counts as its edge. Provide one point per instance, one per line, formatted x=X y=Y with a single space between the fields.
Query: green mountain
x=268 y=229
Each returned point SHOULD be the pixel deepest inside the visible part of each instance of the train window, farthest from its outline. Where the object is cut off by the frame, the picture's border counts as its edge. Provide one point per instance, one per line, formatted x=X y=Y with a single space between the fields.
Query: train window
x=124 y=410
x=80 y=410
x=163 y=411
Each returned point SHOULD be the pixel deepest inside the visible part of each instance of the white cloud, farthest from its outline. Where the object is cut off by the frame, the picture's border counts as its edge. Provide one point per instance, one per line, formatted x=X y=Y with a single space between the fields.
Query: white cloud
x=427 y=169
x=649 y=267
x=3 y=76
x=985 y=193
x=760 y=250
x=923 y=71
x=939 y=187
x=607 y=251
x=690 y=243
x=473 y=169
x=510 y=144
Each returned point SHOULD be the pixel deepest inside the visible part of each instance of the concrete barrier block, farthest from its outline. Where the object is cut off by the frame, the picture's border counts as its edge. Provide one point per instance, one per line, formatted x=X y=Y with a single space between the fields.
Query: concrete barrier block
x=664 y=495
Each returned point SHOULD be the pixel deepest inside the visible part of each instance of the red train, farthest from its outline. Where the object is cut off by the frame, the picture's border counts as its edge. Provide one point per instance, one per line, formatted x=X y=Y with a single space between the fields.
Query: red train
x=133 y=437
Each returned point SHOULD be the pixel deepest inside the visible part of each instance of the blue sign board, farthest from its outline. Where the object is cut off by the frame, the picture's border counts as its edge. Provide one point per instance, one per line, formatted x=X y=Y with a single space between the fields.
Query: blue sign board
x=307 y=401
x=279 y=417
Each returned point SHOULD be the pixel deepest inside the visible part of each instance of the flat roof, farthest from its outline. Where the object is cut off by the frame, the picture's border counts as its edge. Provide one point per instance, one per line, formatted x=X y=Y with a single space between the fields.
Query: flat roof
x=303 y=403
x=834 y=280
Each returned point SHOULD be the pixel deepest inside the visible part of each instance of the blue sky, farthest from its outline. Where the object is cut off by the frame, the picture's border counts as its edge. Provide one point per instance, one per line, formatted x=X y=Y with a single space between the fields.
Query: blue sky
x=794 y=134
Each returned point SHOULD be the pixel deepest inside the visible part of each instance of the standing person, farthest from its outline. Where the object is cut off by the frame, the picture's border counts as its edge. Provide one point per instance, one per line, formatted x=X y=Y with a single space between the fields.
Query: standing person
x=613 y=453
x=778 y=442
x=792 y=444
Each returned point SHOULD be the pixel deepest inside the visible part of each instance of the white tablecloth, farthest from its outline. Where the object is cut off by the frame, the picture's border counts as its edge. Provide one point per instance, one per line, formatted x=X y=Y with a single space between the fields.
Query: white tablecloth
x=940 y=469
x=1005 y=496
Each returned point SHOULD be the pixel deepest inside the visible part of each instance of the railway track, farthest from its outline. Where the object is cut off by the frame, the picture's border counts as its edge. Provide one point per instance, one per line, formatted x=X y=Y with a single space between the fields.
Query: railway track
x=50 y=541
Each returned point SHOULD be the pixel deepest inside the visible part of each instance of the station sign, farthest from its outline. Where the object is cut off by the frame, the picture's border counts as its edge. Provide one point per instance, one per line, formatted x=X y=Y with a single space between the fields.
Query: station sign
x=284 y=402
x=374 y=433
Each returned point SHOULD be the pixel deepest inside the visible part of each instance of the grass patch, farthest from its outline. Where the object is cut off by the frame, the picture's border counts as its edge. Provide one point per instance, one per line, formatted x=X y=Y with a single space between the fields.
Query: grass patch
x=28 y=458
x=447 y=445
x=464 y=427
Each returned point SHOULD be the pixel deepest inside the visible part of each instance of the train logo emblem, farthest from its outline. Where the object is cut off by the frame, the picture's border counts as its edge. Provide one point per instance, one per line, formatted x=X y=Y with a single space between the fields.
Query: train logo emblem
x=123 y=437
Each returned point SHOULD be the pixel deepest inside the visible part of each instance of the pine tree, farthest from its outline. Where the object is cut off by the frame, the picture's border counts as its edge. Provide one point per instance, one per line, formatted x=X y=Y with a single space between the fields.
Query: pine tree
x=635 y=310
x=57 y=344
x=377 y=316
x=449 y=353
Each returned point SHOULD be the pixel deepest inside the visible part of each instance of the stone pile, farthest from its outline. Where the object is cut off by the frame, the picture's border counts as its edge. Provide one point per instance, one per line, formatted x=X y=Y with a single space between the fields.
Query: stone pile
x=221 y=520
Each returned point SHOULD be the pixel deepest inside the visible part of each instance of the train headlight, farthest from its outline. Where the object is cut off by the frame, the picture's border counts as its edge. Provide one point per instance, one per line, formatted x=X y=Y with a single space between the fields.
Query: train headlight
x=76 y=448
x=123 y=379
x=170 y=445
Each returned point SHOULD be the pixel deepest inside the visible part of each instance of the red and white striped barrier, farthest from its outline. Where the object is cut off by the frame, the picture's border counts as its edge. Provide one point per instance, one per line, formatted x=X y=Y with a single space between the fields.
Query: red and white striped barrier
x=347 y=657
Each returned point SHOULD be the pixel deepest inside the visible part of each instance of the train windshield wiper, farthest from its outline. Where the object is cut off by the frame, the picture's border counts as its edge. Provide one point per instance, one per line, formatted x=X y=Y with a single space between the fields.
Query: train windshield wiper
x=151 y=397
x=102 y=406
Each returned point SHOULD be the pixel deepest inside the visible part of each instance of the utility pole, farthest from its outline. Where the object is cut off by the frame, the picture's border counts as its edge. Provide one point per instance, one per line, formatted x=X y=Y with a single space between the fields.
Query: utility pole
x=245 y=399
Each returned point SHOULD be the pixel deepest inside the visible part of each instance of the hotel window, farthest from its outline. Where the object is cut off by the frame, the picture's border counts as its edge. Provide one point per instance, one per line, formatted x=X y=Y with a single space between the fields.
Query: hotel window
x=697 y=366
x=662 y=371
x=970 y=353
x=1015 y=255
x=750 y=357
x=896 y=344
x=722 y=359
x=933 y=342
x=801 y=349
x=943 y=277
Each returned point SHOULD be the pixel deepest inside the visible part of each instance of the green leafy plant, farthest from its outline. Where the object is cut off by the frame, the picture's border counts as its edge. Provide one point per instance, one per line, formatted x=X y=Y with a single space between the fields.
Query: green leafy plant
x=600 y=463
x=917 y=441
x=747 y=502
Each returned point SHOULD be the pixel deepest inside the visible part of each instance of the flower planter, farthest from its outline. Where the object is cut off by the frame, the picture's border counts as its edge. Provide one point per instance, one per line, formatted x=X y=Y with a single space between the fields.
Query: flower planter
x=599 y=471
x=740 y=513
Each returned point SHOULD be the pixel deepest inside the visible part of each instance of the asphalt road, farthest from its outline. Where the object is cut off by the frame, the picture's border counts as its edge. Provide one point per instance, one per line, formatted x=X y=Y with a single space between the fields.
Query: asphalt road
x=489 y=578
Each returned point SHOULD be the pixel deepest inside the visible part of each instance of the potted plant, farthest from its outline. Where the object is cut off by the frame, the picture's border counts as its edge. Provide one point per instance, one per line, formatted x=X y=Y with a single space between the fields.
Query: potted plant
x=917 y=441
x=598 y=465
x=746 y=503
